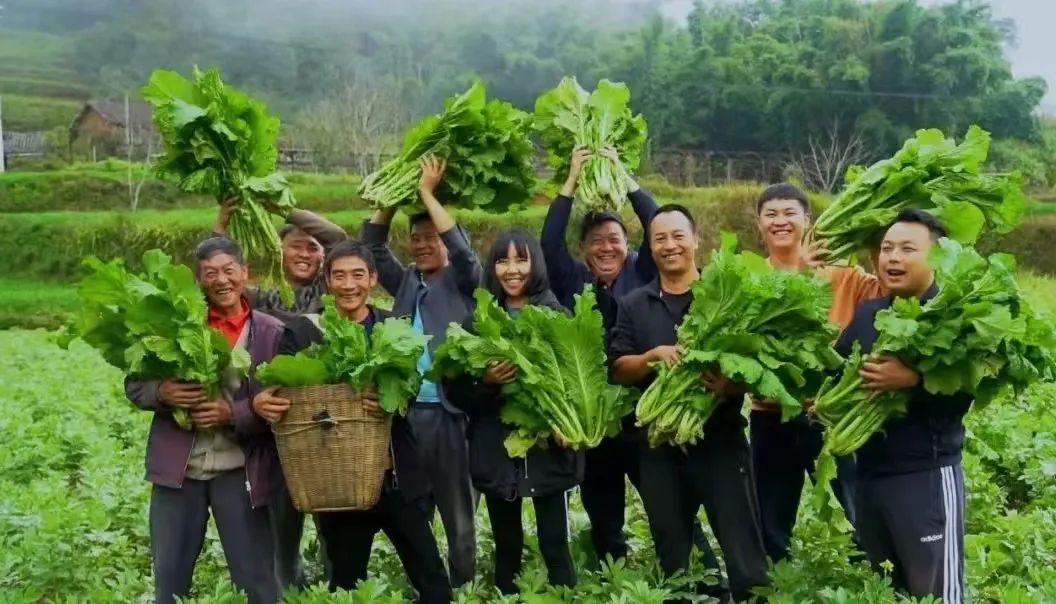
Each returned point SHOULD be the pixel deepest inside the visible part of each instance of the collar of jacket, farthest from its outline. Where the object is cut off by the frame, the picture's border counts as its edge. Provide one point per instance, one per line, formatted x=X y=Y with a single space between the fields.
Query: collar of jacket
x=930 y=293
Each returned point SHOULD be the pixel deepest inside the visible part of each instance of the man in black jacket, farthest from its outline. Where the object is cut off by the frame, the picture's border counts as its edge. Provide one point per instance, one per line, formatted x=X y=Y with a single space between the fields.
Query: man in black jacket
x=435 y=291
x=402 y=511
x=716 y=471
x=614 y=271
x=910 y=504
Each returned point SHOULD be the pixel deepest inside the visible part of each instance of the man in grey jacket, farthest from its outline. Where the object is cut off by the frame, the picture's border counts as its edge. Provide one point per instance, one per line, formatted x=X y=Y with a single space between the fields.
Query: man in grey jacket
x=226 y=465
x=435 y=291
x=306 y=238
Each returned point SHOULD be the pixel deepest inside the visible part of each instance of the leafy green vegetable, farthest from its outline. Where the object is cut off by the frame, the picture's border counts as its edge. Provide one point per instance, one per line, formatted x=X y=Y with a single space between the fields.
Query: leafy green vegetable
x=978 y=336
x=562 y=385
x=153 y=325
x=930 y=172
x=386 y=359
x=221 y=142
x=490 y=157
x=567 y=116
x=763 y=327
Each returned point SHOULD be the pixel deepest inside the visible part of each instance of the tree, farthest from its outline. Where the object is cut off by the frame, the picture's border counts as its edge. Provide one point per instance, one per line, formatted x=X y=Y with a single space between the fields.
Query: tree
x=354 y=127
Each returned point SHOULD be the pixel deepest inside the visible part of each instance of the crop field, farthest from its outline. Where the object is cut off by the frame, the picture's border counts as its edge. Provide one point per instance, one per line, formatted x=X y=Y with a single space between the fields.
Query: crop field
x=73 y=511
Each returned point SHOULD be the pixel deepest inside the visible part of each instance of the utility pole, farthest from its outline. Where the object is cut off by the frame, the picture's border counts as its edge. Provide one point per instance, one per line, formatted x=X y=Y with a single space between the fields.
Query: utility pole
x=2 y=166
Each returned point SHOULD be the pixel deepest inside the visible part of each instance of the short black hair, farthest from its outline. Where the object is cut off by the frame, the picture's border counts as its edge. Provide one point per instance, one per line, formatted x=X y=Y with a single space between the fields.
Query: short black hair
x=676 y=208
x=782 y=190
x=423 y=216
x=914 y=216
x=526 y=244
x=593 y=220
x=349 y=249
x=218 y=245
x=418 y=218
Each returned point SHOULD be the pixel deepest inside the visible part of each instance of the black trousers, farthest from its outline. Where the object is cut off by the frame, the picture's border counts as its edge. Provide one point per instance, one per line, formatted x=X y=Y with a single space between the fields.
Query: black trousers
x=348 y=537
x=916 y=521
x=178 y=520
x=551 y=520
x=783 y=454
x=443 y=453
x=603 y=492
x=604 y=495
x=715 y=473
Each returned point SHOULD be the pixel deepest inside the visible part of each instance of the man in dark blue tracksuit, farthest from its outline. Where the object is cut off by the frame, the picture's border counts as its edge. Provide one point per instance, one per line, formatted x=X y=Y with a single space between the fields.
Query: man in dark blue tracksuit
x=910 y=501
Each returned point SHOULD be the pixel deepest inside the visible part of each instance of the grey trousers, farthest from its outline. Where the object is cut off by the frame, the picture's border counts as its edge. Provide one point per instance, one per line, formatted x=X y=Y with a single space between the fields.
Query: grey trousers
x=178 y=520
x=440 y=438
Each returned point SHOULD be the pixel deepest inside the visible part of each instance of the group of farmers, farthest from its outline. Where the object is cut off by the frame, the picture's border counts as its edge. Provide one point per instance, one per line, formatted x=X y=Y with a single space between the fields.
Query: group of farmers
x=903 y=491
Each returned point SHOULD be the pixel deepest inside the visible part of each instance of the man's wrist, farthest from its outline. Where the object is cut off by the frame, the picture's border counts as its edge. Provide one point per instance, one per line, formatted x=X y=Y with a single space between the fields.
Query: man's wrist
x=569 y=188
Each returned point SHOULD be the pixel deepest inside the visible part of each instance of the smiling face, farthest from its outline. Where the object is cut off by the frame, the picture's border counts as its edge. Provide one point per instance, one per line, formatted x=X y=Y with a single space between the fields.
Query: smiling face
x=301 y=257
x=673 y=243
x=222 y=279
x=782 y=223
x=513 y=272
x=350 y=281
x=605 y=250
x=903 y=262
x=428 y=250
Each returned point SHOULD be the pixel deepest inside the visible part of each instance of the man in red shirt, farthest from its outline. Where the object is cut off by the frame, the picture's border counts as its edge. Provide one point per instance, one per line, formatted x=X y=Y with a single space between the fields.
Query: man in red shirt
x=226 y=466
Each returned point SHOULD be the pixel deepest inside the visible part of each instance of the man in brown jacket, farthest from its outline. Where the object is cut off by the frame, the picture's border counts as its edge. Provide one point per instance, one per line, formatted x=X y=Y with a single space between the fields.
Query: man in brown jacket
x=226 y=465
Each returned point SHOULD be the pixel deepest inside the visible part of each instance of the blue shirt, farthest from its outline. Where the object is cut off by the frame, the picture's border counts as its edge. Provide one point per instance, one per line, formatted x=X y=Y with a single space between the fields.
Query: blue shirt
x=429 y=392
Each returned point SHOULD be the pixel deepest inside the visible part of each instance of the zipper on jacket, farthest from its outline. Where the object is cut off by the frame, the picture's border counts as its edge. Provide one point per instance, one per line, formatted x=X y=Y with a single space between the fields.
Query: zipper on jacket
x=186 y=464
x=392 y=452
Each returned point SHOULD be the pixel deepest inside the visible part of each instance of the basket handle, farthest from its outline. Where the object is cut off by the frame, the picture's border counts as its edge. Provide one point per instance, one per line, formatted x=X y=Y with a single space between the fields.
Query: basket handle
x=322 y=418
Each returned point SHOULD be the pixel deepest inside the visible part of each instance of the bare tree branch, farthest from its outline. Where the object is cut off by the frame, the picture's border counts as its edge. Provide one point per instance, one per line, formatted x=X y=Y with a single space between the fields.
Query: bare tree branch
x=827 y=158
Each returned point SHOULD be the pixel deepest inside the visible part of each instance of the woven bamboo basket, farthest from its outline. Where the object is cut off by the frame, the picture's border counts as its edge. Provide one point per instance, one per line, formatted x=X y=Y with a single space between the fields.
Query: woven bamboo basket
x=334 y=453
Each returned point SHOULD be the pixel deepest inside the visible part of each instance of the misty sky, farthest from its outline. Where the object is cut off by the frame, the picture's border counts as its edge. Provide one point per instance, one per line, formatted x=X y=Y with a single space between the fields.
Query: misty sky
x=1034 y=53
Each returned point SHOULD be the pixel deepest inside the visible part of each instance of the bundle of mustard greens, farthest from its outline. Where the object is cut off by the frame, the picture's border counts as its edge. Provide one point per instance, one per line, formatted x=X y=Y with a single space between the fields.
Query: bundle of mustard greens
x=977 y=336
x=763 y=327
x=930 y=172
x=153 y=325
x=568 y=115
x=561 y=388
x=221 y=142
x=490 y=157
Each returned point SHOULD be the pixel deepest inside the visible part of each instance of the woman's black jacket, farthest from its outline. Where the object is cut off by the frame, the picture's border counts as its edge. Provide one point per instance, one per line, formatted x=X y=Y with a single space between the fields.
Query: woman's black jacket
x=545 y=470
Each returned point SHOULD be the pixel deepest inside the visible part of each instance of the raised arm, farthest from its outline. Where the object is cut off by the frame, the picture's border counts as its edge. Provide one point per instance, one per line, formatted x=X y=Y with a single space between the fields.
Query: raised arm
x=223 y=215
x=560 y=265
x=464 y=262
x=375 y=235
x=645 y=208
x=325 y=232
